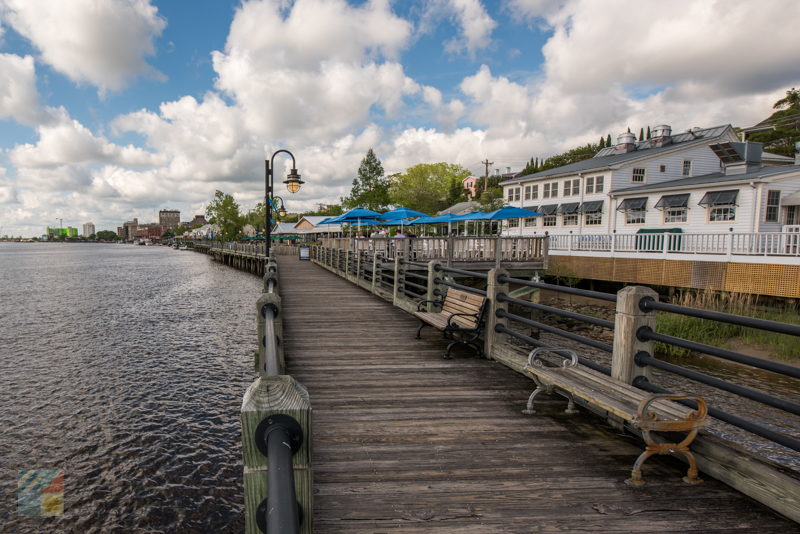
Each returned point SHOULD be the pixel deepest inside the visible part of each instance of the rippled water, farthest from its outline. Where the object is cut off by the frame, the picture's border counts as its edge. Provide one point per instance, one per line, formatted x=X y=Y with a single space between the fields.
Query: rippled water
x=124 y=367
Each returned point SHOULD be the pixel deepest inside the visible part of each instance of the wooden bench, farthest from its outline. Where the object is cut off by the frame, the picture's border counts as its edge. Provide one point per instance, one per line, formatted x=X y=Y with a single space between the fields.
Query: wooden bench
x=645 y=411
x=461 y=318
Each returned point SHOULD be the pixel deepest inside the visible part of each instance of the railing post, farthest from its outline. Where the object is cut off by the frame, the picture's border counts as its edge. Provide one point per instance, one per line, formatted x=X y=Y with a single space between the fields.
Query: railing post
x=375 y=270
x=431 y=285
x=493 y=288
x=450 y=244
x=627 y=321
x=730 y=245
x=264 y=401
x=665 y=244
x=398 y=282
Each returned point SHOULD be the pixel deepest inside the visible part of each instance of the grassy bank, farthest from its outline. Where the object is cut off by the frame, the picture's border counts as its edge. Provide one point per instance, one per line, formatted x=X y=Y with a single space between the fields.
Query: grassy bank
x=779 y=346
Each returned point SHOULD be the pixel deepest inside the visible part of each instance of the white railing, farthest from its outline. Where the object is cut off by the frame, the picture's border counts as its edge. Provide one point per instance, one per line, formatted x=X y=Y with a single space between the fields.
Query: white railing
x=785 y=243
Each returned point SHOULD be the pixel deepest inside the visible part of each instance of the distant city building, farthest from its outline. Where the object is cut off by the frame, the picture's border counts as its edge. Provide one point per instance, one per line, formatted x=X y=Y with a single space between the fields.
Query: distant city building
x=129 y=230
x=169 y=218
x=88 y=229
x=150 y=231
x=120 y=232
x=56 y=233
x=470 y=182
x=199 y=220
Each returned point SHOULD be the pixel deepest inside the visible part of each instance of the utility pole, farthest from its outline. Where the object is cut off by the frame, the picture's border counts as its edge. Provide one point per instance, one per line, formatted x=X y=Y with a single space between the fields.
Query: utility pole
x=486 y=176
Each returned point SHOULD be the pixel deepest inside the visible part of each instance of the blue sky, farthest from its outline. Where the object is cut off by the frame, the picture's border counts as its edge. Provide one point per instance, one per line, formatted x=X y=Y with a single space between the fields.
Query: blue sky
x=110 y=111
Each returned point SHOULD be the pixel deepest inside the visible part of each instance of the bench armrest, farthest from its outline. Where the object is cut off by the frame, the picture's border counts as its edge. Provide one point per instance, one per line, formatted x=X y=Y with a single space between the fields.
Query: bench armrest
x=569 y=355
x=455 y=326
x=647 y=420
x=437 y=303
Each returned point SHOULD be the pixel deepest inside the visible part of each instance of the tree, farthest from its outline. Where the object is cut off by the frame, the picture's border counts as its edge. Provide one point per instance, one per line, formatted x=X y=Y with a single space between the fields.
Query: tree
x=106 y=235
x=785 y=125
x=370 y=188
x=426 y=187
x=167 y=235
x=179 y=230
x=648 y=132
x=641 y=134
x=608 y=140
x=224 y=212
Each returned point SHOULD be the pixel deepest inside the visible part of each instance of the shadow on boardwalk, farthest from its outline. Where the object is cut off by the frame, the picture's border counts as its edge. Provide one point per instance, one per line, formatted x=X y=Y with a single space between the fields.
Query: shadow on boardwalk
x=405 y=441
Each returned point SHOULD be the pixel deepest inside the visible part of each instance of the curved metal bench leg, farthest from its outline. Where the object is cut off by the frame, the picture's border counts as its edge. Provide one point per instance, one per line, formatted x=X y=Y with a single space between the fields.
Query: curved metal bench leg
x=636 y=472
x=570 y=406
x=529 y=408
x=691 y=473
x=419 y=330
x=449 y=348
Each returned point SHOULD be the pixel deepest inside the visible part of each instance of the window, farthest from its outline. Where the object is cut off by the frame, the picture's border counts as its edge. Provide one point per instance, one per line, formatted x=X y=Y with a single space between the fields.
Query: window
x=593 y=219
x=773 y=206
x=590 y=184
x=534 y=192
x=516 y=193
x=545 y=190
x=721 y=213
x=571 y=220
x=662 y=168
x=513 y=223
x=638 y=175
x=549 y=220
x=567 y=188
x=576 y=187
x=635 y=216
x=554 y=189
x=527 y=192
x=598 y=184
x=675 y=215
x=687 y=167
x=530 y=221
x=510 y=194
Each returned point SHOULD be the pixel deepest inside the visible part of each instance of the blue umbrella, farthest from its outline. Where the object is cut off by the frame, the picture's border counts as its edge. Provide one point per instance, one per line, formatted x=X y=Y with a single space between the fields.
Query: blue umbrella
x=402 y=213
x=433 y=220
x=357 y=214
x=474 y=216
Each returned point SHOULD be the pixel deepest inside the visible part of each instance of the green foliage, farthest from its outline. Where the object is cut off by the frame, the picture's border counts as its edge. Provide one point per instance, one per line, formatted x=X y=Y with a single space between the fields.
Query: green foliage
x=224 y=212
x=328 y=210
x=106 y=235
x=608 y=140
x=370 y=188
x=427 y=187
x=167 y=235
x=785 y=124
x=179 y=230
x=648 y=132
x=723 y=334
x=641 y=134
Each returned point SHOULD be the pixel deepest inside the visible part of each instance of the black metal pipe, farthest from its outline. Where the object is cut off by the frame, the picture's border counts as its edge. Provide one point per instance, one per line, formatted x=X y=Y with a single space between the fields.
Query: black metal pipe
x=610 y=297
x=412 y=294
x=272 y=365
x=472 y=274
x=650 y=304
x=415 y=275
x=468 y=289
x=415 y=263
x=502 y=297
x=282 y=512
x=646 y=333
x=641 y=382
x=557 y=331
x=536 y=343
x=644 y=359
x=418 y=286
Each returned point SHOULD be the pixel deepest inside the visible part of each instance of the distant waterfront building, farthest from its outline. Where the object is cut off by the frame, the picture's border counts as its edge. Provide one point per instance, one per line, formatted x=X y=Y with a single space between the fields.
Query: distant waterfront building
x=150 y=231
x=129 y=229
x=120 y=232
x=199 y=220
x=169 y=218
x=88 y=229
x=56 y=233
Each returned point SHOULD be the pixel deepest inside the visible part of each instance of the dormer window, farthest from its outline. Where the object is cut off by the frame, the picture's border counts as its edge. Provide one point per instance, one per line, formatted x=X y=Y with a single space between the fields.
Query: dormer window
x=638 y=175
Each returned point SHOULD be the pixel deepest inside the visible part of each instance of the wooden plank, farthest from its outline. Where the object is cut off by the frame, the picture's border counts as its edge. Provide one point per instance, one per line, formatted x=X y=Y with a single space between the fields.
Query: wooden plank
x=406 y=442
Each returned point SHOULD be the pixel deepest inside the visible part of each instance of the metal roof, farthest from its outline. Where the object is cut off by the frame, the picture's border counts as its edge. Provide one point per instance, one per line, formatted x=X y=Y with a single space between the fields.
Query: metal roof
x=633 y=204
x=711 y=179
x=673 y=201
x=607 y=157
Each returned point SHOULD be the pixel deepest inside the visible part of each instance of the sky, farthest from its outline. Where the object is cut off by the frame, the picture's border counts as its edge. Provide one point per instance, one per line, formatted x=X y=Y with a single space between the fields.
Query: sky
x=115 y=109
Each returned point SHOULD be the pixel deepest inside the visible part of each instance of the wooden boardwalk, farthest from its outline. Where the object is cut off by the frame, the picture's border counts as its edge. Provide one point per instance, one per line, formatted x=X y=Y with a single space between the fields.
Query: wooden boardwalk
x=405 y=441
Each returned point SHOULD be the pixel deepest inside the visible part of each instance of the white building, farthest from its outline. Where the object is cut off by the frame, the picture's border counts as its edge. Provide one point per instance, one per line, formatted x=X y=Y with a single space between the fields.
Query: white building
x=88 y=229
x=702 y=180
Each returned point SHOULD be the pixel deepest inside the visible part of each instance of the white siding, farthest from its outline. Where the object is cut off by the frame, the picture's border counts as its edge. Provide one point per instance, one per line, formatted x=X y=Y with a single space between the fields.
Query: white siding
x=786 y=187
x=704 y=161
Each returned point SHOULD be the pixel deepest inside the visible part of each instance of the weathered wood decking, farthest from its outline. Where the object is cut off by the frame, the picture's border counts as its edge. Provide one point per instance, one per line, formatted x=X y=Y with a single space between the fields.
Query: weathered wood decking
x=405 y=441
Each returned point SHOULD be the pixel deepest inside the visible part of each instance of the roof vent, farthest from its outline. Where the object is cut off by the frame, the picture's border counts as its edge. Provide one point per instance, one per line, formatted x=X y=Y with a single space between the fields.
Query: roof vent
x=661 y=136
x=626 y=142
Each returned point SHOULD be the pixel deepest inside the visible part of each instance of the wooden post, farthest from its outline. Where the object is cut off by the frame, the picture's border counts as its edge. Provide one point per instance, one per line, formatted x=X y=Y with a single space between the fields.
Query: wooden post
x=493 y=287
x=398 y=283
x=629 y=318
x=269 y=396
x=431 y=285
x=450 y=244
x=375 y=271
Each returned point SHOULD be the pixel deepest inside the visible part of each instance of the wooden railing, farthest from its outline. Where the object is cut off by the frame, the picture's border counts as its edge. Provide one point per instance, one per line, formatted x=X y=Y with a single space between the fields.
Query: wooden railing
x=451 y=249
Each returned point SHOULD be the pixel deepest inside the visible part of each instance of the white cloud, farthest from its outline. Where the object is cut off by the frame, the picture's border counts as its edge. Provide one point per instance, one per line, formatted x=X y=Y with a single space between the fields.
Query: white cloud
x=8 y=193
x=319 y=69
x=473 y=23
x=104 y=43
x=19 y=98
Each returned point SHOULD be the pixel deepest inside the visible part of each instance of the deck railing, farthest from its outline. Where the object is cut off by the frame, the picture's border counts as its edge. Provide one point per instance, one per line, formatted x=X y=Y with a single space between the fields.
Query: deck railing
x=730 y=243
x=631 y=353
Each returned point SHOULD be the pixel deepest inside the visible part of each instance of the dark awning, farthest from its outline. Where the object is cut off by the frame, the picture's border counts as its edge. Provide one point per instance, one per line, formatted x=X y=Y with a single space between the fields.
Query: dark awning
x=532 y=208
x=568 y=207
x=632 y=204
x=592 y=206
x=548 y=209
x=673 y=201
x=719 y=198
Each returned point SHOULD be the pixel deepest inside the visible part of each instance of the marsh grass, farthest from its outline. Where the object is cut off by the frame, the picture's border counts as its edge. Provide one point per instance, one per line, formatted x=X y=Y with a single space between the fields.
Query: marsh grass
x=722 y=334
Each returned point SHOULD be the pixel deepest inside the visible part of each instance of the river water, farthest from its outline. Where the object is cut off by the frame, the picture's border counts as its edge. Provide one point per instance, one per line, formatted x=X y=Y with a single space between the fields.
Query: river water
x=124 y=366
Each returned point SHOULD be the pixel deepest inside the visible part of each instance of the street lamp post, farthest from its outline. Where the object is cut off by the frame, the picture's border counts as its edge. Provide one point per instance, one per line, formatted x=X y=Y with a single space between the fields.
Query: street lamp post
x=293 y=183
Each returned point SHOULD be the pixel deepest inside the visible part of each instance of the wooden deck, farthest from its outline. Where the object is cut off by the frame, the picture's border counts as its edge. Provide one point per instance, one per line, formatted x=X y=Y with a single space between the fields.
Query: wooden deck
x=405 y=441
